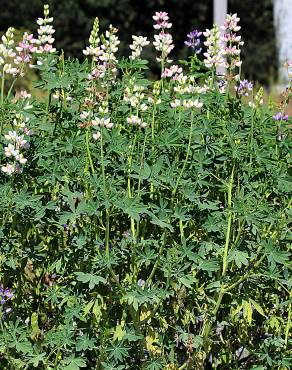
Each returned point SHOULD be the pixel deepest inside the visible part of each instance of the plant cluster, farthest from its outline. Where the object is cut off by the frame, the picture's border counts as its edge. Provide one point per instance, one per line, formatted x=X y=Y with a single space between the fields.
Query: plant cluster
x=144 y=224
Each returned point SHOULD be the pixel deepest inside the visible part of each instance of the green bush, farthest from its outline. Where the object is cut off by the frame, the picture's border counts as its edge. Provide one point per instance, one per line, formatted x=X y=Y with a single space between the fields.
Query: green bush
x=143 y=225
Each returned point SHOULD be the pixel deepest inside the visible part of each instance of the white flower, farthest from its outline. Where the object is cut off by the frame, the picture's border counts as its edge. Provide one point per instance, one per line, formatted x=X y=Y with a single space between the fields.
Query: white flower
x=143 y=107
x=136 y=121
x=84 y=115
x=21 y=159
x=96 y=135
x=11 y=151
x=175 y=104
x=8 y=168
x=138 y=43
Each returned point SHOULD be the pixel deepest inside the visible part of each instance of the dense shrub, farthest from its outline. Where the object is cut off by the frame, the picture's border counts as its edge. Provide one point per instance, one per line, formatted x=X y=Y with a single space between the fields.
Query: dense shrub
x=143 y=224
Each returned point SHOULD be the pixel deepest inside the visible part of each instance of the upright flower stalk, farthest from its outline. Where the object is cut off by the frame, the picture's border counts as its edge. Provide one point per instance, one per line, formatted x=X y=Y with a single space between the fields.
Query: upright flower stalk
x=25 y=50
x=45 y=32
x=213 y=57
x=232 y=46
x=139 y=42
x=7 y=53
x=193 y=41
x=17 y=143
x=163 y=42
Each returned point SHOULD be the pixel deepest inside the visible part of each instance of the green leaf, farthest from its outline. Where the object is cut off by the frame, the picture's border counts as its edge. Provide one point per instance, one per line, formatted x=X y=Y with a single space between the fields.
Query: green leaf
x=187 y=280
x=257 y=307
x=75 y=363
x=89 y=278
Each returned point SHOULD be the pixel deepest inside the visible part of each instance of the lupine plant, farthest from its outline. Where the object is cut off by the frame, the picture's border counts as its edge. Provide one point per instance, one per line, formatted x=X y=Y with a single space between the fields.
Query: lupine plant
x=144 y=224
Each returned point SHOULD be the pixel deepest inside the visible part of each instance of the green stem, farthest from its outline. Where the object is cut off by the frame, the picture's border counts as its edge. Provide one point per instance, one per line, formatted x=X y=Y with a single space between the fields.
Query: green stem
x=107 y=215
x=57 y=358
x=88 y=152
x=186 y=158
x=228 y=233
x=288 y=326
x=153 y=148
x=2 y=86
x=130 y=159
x=11 y=88
x=161 y=249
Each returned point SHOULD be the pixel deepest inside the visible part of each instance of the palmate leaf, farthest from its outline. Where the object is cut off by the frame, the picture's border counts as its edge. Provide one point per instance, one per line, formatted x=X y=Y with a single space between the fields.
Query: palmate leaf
x=131 y=207
x=279 y=257
x=155 y=364
x=210 y=265
x=84 y=343
x=187 y=281
x=93 y=280
x=118 y=352
x=239 y=257
x=74 y=363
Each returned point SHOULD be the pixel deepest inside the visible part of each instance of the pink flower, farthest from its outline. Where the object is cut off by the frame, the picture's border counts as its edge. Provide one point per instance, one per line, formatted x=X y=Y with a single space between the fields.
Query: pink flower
x=8 y=168
x=161 y=19
x=174 y=71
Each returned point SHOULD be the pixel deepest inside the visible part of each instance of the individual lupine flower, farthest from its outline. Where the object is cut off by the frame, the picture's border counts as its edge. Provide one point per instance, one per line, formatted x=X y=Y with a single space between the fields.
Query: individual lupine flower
x=102 y=122
x=194 y=41
x=222 y=85
x=5 y=295
x=24 y=94
x=25 y=49
x=175 y=104
x=9 y=69
x=162 y=21
x=97 y=72
x=213 y=55
x=163 y=42
x=232 y=43
x=139 y=42
x=143 y=107
x=244 y=88
x=45 y=31
x=10 y=151
x=8 y=168
x=136 y=121
x=173 y=71
x=141 y=283
x=96 y=135
x=280 y=117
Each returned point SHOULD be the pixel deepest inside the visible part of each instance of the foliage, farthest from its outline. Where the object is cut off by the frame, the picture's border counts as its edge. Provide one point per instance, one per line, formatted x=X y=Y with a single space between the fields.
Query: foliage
x=158 y=243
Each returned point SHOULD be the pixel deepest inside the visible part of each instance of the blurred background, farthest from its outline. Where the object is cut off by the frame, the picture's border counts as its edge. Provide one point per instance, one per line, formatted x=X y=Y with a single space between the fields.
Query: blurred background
x=73 y=21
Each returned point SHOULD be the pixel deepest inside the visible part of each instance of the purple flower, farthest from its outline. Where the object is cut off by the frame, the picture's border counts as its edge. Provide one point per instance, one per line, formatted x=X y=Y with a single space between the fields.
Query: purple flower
x=280 y=117
x=193 y=41
x=5 y=295
x=244 y=87
x=141 y=282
